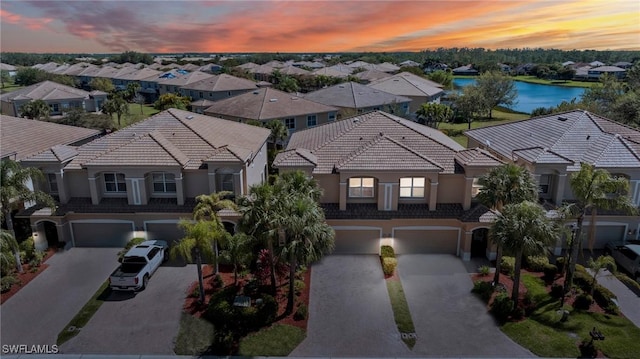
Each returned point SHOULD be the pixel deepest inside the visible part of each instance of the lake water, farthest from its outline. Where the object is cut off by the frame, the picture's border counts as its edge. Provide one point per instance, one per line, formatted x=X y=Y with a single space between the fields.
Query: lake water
x=532 y=96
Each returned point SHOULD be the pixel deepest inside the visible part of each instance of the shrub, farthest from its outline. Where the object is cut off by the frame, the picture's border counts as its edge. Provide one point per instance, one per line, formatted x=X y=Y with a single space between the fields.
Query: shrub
x=507 y=265
x=550 y=272
x=560 y=264
x=536 y=263
x=217 y=281
x=387 y=252
x=483 y=289
x=301 y=313
x=556 y=290
x=298 y=286
x=604 y=297
x=582 y=279
x=36 y=260
x=484 y=270
x=133 y=242
x=389 y=265
x=267 y=310
x=7 y=282
x=583 y=301
x=502 y=307
x=195 y=293
x=28 y=249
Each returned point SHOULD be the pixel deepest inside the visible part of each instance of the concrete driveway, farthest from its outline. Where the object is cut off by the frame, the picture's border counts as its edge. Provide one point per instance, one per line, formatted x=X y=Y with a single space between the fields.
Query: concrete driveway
x=450 y=321
x=146 y=322
x=37 y=313
x=349 y=311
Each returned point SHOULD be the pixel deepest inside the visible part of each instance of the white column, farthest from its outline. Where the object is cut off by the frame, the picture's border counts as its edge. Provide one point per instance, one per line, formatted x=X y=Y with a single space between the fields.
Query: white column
x=433 y=196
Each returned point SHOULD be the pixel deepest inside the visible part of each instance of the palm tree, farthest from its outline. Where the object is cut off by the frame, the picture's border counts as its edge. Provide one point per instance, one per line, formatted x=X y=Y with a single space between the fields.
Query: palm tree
x=36 y=110
x=501 y=186
x=593 y=188
x=237 y=252
x=115 y=104
x=602 y=262
x=8 y=248
x=432 y=114
x=524 y=229
x=14 y=189
x=132 y=90
x=259 y=211
x=207 y=208
x=199 y=239
x=279 y=132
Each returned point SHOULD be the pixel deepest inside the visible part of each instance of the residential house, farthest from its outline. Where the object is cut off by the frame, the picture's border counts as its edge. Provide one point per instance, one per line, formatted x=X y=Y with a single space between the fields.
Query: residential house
x=390 y=181
x=409 y=63
x=172 y=81
x=623 y=64
x=267 y=104
x=124 y=78
x=553 y=146
x=353 y=98
x=368 y=76
x=466 y=70
x=12 y=70
x=217 y=87
x=596 y=72
x=141 y=180
x=332 y=72
x=418 y=89
x=59 y=98
x=596 y=64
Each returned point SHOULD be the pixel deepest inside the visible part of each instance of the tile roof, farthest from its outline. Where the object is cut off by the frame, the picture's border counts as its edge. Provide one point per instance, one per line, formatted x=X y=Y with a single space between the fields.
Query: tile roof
x=174 y=138
x=222 y=82
x=45 y=90
x=21 y=137
x=407 y=84
x=477 y=157
x=371 y=75
x=265 y=104
x=374 y=140
x=354 y=95
x=299 y=157
x=57 y=153
x=182 y=79
x=565 y=138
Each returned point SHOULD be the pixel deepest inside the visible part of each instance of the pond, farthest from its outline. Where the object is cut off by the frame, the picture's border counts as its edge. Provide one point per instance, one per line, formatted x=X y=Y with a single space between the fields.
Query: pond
x=532 y=96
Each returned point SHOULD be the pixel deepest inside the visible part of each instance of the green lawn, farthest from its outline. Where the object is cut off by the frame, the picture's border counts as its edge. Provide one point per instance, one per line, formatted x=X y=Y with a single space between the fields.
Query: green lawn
x=10 y=88
x=277 y=340
x=545 y=335
x=194 y=337
x=84 y=315
x=401 y=312
x=570 y=83
x=136 y=114
x=500 y=116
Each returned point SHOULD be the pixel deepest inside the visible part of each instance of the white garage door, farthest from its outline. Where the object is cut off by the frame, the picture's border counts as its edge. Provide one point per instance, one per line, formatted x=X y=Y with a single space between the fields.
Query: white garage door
x=169 y=232
x=89 y=234
x=421 y=241
x=361 y=241
x=604 y=234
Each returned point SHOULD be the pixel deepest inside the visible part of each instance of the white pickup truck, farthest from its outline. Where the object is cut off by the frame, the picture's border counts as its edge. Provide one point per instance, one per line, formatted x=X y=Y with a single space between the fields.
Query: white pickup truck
x=138 y=265
x=627 y=256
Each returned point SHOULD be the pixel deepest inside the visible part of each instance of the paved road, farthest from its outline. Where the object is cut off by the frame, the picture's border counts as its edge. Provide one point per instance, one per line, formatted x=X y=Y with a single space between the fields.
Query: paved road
x=628 y=301
x=450 y=321
x=350 y=312
x=37 y=313
x=146 y=322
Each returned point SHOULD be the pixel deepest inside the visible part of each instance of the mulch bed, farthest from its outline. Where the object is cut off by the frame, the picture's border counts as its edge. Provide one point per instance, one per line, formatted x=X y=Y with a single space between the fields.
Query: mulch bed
x=193 y=307
x=26 y=276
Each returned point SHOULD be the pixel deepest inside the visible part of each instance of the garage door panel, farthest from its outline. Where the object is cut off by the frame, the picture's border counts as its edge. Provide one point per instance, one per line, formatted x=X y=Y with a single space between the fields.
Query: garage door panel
x=101 y=234
x=357 y=242
x=425 y=241
x=169 y=232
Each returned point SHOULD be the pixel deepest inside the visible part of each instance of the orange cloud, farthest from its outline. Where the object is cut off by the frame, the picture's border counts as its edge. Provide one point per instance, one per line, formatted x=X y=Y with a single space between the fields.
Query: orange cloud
x=29 y=23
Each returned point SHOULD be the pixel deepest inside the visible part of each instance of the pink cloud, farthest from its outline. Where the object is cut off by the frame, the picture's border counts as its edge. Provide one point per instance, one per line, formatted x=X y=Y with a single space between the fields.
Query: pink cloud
x=29 y=23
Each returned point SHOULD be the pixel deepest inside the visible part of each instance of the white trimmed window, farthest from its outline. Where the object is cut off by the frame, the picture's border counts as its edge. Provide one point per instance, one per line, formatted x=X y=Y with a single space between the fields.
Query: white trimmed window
x=225 y=182
x=312 y=121
x=412 y=187
x=544 y=183
x=164 y=182
x=361 y=187
x=53 y=182
x=475 y=187
x=114 y=182
x=290 y=123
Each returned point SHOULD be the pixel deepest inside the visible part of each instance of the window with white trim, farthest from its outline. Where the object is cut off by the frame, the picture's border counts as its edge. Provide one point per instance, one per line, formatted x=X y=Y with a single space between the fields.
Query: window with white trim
x=290 y=123
x=312 y=121
x=361 y=187
x=225 y=182
x=53 y=182
x=475 y=187
x=545 y=180
x=114 y=182
x=412 y=187
x=164 y=182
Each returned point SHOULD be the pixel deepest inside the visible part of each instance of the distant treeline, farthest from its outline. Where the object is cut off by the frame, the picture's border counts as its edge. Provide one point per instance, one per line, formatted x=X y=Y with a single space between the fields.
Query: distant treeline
x=453 y=57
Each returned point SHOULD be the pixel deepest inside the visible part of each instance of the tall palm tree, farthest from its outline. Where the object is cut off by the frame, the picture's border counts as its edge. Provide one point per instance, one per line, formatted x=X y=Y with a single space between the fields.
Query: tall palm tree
x=8 y=248
x=602 y=262
x=14 y=190
x=198 y=241
x=593 y=189
x=132 y=90
x=35 y=110
x=117 y=105
x=259 y=210
x=501 y=186
x=237 y=252
x=207 y=208
x=524 y=229
x=279 y=133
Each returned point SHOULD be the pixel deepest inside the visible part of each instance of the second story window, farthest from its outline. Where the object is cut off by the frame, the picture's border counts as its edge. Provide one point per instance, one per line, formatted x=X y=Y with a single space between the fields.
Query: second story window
x=476 y=187
x=290 y=123
x=53 y=182
x=225 y=182
x=312 y=120
x=361 y=187
x=544 y=184
x=412 y=187
x=164 y=183
x=114 y=182
x=332 y=116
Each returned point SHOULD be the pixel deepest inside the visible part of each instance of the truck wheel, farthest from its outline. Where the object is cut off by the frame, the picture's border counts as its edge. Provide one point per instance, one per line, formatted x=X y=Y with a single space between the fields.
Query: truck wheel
x=145 y=281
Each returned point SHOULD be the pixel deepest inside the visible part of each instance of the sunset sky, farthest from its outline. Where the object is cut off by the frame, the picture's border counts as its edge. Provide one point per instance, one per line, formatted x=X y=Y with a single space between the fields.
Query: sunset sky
x=315 y=26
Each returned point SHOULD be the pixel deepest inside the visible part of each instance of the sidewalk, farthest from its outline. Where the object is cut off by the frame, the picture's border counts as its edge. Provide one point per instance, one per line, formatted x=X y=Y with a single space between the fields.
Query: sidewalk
x=628 y=301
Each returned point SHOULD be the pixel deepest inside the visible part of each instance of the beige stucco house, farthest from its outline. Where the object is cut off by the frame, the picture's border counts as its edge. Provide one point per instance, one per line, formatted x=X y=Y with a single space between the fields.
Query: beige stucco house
x=419 y=89
x=141 y=180
x=552 y=148
x=388 y=180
